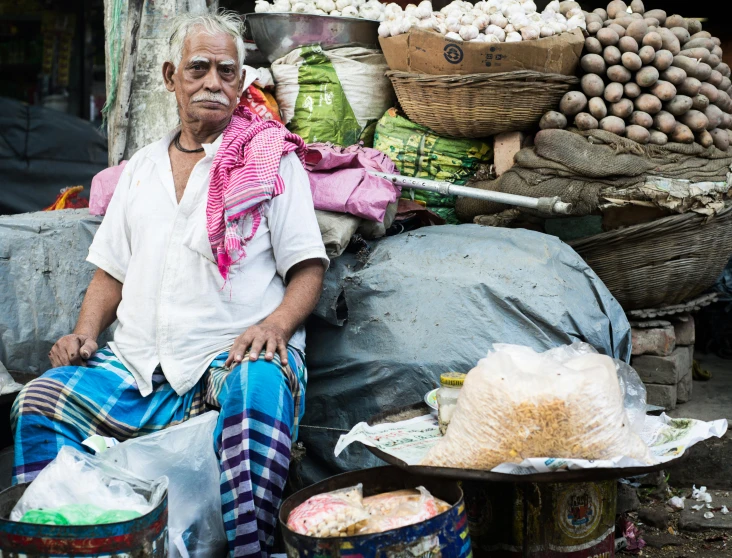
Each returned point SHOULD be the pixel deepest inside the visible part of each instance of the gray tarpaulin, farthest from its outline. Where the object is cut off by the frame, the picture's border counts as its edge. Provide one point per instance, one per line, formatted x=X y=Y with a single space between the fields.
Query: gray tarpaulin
x=432 y=301
x=388 y=323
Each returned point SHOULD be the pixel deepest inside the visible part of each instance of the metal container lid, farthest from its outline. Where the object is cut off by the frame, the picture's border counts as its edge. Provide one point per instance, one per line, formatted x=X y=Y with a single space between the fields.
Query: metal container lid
x=452 y=379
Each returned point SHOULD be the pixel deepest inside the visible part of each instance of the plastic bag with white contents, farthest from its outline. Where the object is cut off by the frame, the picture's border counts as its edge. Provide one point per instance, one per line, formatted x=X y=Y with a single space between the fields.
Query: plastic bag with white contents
x=392 y=510
x=517 y=404
x=331 y=514
x=185 y=454
x=79 y=478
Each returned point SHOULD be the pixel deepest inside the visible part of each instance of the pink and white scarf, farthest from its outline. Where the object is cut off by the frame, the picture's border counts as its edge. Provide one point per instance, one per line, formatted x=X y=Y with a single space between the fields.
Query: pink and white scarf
x=244 y=175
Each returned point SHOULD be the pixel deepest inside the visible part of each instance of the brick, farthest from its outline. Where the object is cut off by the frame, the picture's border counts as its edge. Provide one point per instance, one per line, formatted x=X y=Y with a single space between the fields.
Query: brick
x=667 y=370
x=684 y=388
x=656 y=341
x=505 y=147
x=663 y=396
x=685 y=330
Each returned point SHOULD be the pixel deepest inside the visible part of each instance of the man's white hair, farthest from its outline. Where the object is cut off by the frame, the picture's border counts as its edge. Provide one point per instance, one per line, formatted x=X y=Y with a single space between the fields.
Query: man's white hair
x=223 y=22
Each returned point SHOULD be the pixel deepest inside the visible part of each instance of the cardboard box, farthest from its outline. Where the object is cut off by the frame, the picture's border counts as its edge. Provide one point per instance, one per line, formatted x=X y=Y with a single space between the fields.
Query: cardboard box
x=428 y=52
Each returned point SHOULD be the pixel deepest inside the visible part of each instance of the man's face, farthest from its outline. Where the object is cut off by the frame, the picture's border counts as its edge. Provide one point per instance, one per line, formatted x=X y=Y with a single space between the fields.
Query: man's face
x=207 y=82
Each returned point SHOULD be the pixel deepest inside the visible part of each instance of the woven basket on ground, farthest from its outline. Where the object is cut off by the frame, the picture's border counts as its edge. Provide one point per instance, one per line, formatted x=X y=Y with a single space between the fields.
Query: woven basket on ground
x=479 y=105
x=661 y=262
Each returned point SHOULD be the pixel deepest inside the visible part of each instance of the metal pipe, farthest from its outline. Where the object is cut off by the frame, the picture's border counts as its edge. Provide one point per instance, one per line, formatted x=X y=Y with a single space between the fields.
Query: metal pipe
x=546 y=205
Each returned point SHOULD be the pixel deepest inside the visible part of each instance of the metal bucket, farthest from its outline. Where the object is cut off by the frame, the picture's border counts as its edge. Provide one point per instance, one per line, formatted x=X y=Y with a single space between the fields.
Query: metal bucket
x=144 y=537
x=445 y=535
x=557 y=520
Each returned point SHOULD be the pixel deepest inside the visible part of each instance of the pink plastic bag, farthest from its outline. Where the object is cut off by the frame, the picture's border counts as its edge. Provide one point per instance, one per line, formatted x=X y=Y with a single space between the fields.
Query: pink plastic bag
x=340 y=182
x=102 y=188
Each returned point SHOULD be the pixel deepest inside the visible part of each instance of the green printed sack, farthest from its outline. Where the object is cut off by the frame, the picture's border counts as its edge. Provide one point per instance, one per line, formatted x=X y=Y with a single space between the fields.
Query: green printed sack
x=417 y=151
x=333 y=95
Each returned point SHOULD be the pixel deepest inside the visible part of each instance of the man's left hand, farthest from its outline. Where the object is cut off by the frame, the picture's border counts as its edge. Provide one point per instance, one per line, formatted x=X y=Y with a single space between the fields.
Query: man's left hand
x=263 y=337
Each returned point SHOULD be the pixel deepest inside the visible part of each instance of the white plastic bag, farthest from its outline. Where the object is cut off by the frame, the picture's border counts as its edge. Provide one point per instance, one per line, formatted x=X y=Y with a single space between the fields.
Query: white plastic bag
x=185 y=454
x=79 y=478
x=518 y=404
x=7 y=384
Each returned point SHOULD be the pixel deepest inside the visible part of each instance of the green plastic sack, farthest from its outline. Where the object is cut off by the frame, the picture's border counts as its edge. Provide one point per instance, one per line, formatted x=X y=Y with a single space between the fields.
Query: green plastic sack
x=333 y=95
x=417 y=151
x=78 y=514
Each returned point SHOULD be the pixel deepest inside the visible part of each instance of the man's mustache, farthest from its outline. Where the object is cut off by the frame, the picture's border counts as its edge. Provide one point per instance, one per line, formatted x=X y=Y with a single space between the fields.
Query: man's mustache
x=212 y=98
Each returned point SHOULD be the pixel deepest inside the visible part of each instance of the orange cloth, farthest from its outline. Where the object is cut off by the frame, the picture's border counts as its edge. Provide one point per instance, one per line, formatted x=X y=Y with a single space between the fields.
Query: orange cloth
x=68 y=199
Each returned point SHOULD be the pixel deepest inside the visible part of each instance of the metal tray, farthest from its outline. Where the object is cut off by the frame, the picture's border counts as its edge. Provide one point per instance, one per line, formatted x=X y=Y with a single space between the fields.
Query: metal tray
x=584 y=475
x=278 y=34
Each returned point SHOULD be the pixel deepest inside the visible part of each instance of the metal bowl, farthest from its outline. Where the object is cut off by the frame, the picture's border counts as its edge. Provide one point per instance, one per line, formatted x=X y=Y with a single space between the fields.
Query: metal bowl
x=278 y=34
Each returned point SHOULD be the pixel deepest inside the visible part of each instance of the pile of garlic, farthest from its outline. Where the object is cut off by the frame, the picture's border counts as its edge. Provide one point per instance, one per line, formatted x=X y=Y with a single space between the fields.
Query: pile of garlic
x=490 y=21
x=364 y=9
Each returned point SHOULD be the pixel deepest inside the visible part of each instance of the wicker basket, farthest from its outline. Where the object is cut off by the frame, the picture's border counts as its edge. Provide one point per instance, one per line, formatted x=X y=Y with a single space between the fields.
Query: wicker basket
x=662 y=262
x=479 y=105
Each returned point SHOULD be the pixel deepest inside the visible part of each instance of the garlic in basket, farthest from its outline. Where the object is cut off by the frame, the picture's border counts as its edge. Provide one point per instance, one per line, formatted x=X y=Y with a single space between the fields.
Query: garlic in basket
x=262 y=7
x=454 y=37
x=513 y=37
x=469 y=32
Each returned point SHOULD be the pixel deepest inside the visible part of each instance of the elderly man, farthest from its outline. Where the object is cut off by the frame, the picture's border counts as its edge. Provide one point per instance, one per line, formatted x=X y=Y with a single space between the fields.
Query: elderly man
x=210 y=259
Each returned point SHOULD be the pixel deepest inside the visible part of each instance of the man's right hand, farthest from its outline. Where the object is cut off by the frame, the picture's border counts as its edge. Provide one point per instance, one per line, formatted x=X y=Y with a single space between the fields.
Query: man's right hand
x=72 y=350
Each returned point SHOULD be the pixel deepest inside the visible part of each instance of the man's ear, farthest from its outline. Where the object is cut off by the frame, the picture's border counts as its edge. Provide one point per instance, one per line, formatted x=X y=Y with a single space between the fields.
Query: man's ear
x=241 y=83
x=168 y=72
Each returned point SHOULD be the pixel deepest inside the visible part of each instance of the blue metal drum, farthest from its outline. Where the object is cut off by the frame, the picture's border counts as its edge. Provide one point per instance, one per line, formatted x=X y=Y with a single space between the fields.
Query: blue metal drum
x=445 y=535
x=143 y=537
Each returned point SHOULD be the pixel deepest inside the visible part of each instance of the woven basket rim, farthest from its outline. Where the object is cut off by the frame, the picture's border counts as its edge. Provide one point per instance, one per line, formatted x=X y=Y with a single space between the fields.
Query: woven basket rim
x=521 y=75
x=672 y=221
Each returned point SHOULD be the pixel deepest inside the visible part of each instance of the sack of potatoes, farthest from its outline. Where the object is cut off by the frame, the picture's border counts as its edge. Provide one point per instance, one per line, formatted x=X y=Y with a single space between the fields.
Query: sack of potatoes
x=651 y=77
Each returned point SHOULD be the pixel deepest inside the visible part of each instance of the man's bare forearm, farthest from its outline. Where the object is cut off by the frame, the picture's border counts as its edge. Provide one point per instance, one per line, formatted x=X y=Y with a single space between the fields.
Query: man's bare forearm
x=303 y=292
x=99 y=309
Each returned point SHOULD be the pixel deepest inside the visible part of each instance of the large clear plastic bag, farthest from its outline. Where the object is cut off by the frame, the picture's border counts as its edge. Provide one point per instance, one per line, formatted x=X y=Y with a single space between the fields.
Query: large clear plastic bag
x=185 y=454
x=568 y=402
x=77 y=478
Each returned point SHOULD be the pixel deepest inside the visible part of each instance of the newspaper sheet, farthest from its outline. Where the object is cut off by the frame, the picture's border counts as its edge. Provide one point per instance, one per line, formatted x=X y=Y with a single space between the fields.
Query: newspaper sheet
x=410 y=440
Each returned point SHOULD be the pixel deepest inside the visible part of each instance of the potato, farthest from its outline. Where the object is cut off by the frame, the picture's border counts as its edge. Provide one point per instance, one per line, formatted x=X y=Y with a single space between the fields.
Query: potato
x=616 y=8
x=633 y=62
x=663 y=59
x=715 y=78
x=585 y=121
x=664 y=122
x=648 y=103
x=611 y=55
x=715 y=116
x=613 y=124
x=682 y=134
x=724 y=101
x=695 y=120
x=623 y=22
x=689 y=86
x=652 y=23
x=637 y=133
x=566 y=6
x=619 y=29
x=637 y=7
x=647 y=55
x=717 y=51
x=694 y=25
x=658 y=138
x=607 y=37
x=721 y=139
x=701 y=35
x=592 y=85
x=699 y=102
x=717 y=41
x=670 y=41
x=709 y=91
x=679 y=105
x=592 y=17
x=613 y=92
x=640 y=118
x=631 y=90
x=660 y=15
x=654 y=40
x=703 y=43
x=681 y=34
x=699 y=70
x=597 y=108
x=619 y=74
x=600 y=12
x=726 y=121
x=726 y=84
x=674 y=75
x=572 y=103
x=664 y=90
x=704 y=138
x=622 y=109
x=714 y=61
x=724 y=69
x=594 y=27
x=593 y=46
x=628 y=44
x=676 y=21
x=645 y=77
x=593 y=64
x=696 y=53
x=638 y=29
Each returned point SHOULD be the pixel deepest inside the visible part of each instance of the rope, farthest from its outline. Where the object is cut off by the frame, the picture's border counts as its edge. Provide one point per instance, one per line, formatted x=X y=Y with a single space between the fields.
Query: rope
x=115 y=48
